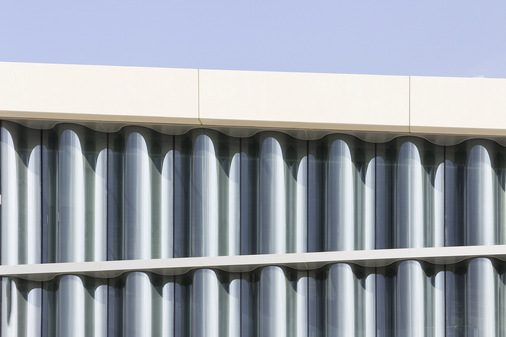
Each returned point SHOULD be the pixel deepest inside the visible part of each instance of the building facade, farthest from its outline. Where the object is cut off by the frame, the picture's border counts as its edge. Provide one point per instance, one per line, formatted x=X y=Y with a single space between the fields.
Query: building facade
x=181 y=202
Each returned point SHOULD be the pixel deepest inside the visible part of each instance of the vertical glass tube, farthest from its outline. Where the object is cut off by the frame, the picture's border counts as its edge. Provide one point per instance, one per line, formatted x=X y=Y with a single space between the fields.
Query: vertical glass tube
x=350 y=301
x=208 y=303
x=410 y=300
x=21 y=308
x=501 y=299
x=272 y=302
x=141 y=304
x=281 y=304
x=140 y=194
x=367 y=302
x=341 y=297
x=163 y=306
x=409 y=190
x=317 y=303
x=80 y=307
x=475 y=198
x=473 y=299
x=436 y=291
x=205 y=304
x=74 y=189
x=207 y=189
x=341 y=189
x=20 y=157
x=230 y=304
x=455 y=307
x=297 y=303
x=249 y=304
x=385 y=292
x=96 y=306
x=481 y=296
x=480 y=197
x=137 y=305
x=273 y=194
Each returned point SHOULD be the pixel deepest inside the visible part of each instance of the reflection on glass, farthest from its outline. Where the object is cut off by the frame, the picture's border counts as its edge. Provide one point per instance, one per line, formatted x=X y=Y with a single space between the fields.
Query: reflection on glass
x=21 y=307
x=341 y=194
x=208 y=304
x=273 y=194
x=74 y=192
x=274 y=302
x=476 y=298
x=410 y=300
x=476 y=194
x=141 y=304
x=409 y=194
x=74 y=306
x=207 y=197
x=20 y=157
x=140 y=192
x=351 y=301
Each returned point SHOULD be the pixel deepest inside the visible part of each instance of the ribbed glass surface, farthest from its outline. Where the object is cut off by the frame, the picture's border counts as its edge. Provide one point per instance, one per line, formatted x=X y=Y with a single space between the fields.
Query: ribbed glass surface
x=21 y=185
x=406 y=299
x=140 y=184
x=207 y=168
x=70 y=194
x=74 y=192
x=409 y=194
x=476 y=197
x=273 y=194
x=341 y=197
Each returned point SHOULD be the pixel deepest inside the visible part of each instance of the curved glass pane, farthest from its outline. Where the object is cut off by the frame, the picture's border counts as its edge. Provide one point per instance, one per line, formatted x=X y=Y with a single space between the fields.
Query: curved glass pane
x=21 y=174
x=208 y=304
x=341 y=194
x=140 y=194
x=274 y=302
x=273 y=194
x=476 y=194
x=207 y=194
x=410 y=300
x=409 y=194
x=74 y=187
x=476 y=298
x=74 y=306
x=21 y=307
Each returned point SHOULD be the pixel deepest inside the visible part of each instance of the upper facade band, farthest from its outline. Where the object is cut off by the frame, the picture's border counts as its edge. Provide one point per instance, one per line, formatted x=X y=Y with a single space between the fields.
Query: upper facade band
x=218 y=98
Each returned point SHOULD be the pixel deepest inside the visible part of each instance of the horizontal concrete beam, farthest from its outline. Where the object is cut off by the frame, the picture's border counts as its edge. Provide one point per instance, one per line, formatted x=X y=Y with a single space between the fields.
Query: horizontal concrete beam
x=246 y=263
x=466 y=106
x=304 y=104
x=78 y=93
x=304 y=100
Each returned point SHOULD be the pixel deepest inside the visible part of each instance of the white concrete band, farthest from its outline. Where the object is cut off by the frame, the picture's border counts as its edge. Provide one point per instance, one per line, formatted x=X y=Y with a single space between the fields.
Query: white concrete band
x=98 y=95
x=245 y=263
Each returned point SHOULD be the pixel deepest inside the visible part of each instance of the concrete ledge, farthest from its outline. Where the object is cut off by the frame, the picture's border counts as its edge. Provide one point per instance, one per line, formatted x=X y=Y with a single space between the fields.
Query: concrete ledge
x=246 y=263
x=98 y=93
x=106 y=98
x=459 y=106
x=304 y=100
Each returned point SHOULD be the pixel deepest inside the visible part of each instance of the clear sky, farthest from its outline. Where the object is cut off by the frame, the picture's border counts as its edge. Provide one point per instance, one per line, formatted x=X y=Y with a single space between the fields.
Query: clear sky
x=394 y=37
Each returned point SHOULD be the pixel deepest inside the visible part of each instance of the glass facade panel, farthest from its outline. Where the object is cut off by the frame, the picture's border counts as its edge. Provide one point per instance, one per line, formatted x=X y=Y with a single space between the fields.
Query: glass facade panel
x=410 y=194
x=21 y=185
x=273 y=194
x=140 y=194
x=341 y=200
x=71 y=194
x=476 y=198
x=409 y=298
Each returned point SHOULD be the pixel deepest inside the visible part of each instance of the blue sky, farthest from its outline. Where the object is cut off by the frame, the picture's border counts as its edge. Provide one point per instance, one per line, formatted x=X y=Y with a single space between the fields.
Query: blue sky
x=393 y=37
